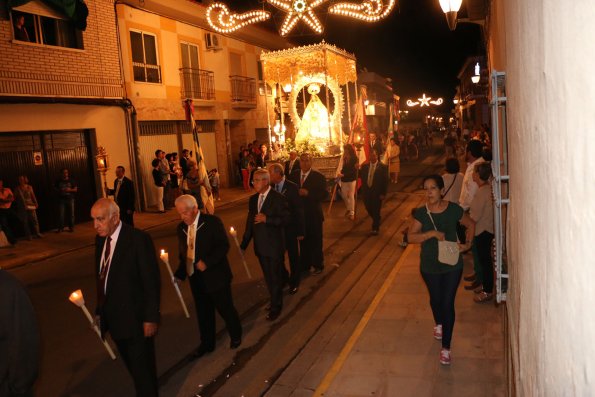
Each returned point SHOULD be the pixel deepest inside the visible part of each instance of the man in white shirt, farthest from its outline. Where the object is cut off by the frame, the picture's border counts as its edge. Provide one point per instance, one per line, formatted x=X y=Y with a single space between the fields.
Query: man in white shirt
x=473 y=157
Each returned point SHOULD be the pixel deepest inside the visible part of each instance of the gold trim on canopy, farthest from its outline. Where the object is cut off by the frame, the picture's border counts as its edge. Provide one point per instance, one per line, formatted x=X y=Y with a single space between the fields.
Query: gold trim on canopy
x=286 y=66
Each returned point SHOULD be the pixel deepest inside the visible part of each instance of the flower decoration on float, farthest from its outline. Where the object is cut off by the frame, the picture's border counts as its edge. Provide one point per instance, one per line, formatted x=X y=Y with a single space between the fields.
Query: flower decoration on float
x=368 y=10
x=424 y=101
x=224 y=21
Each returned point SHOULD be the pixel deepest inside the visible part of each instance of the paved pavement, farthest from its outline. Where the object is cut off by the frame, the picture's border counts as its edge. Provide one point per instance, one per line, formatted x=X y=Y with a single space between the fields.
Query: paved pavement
x=391 y=351
x=53 y=244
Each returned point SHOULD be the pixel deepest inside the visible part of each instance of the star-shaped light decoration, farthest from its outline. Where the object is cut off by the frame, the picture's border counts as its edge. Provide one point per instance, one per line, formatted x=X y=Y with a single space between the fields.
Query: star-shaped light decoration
x=425 y=101
x=299 y=10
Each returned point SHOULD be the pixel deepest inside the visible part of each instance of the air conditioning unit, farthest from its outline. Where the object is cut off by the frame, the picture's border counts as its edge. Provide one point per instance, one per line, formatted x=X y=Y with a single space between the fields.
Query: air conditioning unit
x=212 y=41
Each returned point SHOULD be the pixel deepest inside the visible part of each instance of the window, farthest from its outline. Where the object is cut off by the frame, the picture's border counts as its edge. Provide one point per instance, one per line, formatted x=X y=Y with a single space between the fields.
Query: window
x=144 y=57
x=45 y=29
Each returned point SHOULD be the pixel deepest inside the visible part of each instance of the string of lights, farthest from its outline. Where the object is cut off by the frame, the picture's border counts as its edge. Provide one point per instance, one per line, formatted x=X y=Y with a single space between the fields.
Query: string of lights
x=222 y=20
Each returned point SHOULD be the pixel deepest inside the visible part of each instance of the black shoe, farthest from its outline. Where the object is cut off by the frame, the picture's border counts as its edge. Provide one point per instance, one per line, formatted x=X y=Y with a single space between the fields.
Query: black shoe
x=201 y=351
x=374 y=233
x=293 y=290
x=234 y=344
x=316 y=271
x=59 y=230
x=273 y=315
x=70 y=229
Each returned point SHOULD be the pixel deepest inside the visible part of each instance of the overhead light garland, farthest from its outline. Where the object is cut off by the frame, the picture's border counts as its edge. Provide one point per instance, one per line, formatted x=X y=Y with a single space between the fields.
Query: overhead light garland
x=222 y=20
x=368 y=10
x=424 y=101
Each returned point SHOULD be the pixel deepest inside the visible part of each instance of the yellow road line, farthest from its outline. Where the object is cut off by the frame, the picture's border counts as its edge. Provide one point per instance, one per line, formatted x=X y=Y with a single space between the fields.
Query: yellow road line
x=338 y=364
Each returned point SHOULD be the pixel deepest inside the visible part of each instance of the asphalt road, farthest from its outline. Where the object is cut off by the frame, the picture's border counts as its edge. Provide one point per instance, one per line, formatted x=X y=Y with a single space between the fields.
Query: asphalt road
x=74 y=363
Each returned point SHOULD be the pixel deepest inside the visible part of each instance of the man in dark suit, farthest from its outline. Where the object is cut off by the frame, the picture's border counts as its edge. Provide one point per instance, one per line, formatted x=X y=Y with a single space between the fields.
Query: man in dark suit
x=376 y=144
x=123 y=193
x=312 y=191
x=20 y=341
x=374 y=184
x=203 y=259
x=128 y=288
x=294 y=231
x=262 y=157
x=268 y=215
x=292 y=164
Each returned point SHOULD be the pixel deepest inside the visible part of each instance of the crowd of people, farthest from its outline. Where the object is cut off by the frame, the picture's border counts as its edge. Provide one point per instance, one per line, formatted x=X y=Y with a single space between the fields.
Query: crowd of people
x=284 y=216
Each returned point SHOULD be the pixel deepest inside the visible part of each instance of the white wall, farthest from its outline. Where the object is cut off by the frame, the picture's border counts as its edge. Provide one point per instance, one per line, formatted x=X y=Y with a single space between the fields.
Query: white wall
x=550 y=65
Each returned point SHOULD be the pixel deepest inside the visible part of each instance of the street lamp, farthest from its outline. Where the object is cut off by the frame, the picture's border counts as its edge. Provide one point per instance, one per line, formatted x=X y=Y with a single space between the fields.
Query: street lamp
x=102 y=164
x=451 y=8
x=475 y=77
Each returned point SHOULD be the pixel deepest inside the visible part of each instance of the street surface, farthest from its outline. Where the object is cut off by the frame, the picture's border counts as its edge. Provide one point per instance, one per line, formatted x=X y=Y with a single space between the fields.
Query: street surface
x=74 y=363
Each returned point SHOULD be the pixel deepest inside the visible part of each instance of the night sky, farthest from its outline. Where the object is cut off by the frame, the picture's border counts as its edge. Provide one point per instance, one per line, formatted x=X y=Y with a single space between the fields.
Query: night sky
x=413 y=46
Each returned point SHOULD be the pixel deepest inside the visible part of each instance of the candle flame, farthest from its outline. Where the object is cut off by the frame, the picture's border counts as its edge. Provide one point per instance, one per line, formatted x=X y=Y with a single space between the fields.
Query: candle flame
x=162 y=252
x=77 y=298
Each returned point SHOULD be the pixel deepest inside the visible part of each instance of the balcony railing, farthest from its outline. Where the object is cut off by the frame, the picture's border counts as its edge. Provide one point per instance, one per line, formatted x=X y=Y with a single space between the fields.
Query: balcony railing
x=197 y=84
x=51 y=85
x=243 y=89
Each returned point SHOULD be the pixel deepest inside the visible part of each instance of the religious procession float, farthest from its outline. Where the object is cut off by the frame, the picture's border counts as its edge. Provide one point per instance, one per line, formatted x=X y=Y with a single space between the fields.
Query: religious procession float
x=310 y=84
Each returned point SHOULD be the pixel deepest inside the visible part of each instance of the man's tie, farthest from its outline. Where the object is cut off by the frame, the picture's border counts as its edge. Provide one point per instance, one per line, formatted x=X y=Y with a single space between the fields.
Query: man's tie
x=190 y=252
x=117 y=190
x=260 y=202
x=105 y=263
x=371 y=174
x=303 y=179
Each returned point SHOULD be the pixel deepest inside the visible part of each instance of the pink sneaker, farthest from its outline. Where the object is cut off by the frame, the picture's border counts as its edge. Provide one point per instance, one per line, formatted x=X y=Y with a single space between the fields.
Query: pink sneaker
x=438 y=332
x=445 y=356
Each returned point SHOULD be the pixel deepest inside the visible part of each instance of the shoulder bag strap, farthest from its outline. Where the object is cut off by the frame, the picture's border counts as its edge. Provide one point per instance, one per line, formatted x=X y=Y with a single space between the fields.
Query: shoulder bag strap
x=452 y=183
x=430 y=215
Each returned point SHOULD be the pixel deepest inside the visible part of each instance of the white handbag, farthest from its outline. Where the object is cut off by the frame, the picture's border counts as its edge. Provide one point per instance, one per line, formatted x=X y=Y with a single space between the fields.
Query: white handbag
x=448 y=251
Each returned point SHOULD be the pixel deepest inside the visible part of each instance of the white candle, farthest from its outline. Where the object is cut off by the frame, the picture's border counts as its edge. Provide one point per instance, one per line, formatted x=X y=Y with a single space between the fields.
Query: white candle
x=234 y=234
x=78 y=299
x=165 y=258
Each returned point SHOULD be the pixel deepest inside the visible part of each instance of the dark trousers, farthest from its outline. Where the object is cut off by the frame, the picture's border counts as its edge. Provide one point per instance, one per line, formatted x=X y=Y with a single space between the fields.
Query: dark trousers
x=373 y=204
x=126 y=218
x=483 y=243
x=273 y=270
x=167 y=195
x=311 y=246
x=66 y=205
x=139 y=356
x=206 y=303
x=443 y=290
x=293 y=252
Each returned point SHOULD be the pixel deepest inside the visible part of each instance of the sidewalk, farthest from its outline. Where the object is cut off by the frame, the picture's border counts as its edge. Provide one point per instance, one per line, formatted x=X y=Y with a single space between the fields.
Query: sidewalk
x=392 y=350
x=53 y=244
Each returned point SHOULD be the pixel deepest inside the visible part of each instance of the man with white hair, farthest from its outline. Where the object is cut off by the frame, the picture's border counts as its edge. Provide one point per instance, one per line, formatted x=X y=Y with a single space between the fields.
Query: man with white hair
x=128 y=288
x=203 y=247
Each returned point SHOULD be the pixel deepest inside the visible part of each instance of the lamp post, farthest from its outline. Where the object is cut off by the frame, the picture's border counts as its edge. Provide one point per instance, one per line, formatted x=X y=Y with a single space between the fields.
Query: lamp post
x=451 y=8
x=102 y=165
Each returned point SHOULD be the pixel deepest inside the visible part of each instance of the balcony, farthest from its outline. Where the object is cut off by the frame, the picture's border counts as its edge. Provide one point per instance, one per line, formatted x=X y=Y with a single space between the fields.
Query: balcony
x=197 y=84
x=51 y=85
x=243 y=92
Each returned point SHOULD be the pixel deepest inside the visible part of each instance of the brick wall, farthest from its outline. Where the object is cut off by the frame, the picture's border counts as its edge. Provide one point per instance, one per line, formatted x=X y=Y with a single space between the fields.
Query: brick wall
x=98 y=60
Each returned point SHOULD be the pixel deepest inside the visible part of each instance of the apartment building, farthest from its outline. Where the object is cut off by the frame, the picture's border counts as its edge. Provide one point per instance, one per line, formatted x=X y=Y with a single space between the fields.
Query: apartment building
x=169 y=55
x=61 y=97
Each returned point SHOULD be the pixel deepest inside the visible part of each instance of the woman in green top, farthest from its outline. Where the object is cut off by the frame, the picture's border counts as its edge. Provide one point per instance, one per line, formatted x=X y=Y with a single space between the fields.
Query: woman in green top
x=441 y=279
